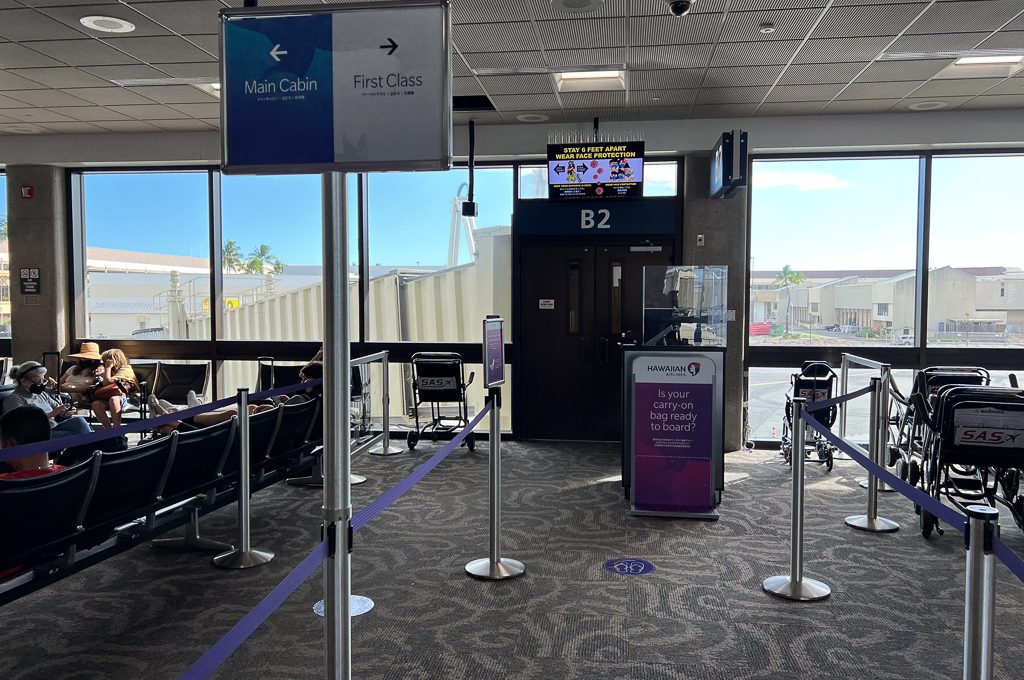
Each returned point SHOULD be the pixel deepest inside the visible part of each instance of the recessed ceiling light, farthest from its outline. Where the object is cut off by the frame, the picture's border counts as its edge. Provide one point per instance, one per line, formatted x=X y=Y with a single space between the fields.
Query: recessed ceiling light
x=107 y=24
x=590 y=81
x=576 y=6
x=20 y=129
x=767 y=28
x=927 y=106
x=531 y=118
x=994 y=59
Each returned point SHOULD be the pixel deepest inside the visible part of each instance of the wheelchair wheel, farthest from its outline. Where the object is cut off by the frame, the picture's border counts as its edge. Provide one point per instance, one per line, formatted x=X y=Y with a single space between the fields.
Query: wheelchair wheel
x=412 y=439
x=928 y=523
x=471 y=441
x=913 y=473
x=829 y=461
x=901 y=469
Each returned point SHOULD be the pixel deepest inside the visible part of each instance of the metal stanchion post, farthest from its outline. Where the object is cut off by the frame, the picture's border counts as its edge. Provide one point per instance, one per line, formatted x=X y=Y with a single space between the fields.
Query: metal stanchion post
x=794 y=586
x=495 y=567
x=244 y=556
x=979 y=594
x=879 y=426
x=844 y=385
x=385 y=448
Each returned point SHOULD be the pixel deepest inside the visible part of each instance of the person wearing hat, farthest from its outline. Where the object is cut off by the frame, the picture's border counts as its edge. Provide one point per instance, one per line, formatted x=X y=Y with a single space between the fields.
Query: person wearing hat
x=86 y=373
x=34 y=389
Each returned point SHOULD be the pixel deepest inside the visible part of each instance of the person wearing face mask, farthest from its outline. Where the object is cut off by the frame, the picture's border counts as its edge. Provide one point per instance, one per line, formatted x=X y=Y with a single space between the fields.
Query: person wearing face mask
x=35 y=389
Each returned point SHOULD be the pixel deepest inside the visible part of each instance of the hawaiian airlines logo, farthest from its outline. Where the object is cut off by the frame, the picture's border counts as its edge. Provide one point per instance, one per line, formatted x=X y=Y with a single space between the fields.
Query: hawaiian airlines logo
x=693 y=368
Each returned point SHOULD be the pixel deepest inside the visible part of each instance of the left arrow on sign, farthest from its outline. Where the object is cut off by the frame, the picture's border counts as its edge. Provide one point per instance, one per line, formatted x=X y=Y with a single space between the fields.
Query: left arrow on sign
x=276 y=52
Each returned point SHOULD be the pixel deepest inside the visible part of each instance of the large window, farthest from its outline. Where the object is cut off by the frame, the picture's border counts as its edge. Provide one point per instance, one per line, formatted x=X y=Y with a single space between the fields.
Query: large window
x=976 y=259
x=434 y=273
x=147 y=255
x=5 y=265
x=833 y=251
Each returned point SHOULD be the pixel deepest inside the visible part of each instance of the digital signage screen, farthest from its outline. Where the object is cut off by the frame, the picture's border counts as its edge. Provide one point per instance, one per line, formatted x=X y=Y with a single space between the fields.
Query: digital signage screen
x=596 y=170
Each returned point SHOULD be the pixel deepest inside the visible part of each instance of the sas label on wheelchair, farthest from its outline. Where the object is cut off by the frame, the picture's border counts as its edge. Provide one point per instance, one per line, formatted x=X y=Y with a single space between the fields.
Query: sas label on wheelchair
x=628 y=566
x=437 y=383
x=988 y=427
x=987 y=436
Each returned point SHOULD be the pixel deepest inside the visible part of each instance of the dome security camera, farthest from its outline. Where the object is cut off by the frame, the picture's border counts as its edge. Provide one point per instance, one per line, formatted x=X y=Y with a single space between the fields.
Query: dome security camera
x=679 y=8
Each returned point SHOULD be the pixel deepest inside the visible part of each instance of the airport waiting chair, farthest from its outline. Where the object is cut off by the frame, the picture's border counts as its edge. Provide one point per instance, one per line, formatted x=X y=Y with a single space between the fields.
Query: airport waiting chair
x=138 y=401
x=128 y=487
x=42 y=515
x=263 y=428
x=174 y=381
x=199 y=457
x=272 y=375
x=292 y=439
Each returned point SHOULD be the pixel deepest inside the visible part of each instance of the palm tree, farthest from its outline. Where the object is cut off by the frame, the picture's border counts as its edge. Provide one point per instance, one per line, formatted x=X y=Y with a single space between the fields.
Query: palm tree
x=788 y=278
x=261 y=261
x=3 y=226
x=232 y=257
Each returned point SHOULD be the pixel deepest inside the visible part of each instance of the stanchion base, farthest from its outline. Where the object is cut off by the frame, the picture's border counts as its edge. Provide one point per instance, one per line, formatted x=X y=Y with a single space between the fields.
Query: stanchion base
x=312 y=480
x=882 y=486
x=878 y=525
x=495 y=571
x=357 y=604
x=189 y=542
x=355 y=479
x=807 y=590
x=239 y=559
x=379 y=450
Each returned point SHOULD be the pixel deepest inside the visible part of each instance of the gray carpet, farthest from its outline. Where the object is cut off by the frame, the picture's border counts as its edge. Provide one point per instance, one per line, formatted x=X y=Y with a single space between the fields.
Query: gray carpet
x=896 y=609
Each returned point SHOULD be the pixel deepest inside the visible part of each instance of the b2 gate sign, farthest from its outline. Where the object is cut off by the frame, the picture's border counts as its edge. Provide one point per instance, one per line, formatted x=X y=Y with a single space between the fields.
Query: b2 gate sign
x=352 y=88
x=596 y=170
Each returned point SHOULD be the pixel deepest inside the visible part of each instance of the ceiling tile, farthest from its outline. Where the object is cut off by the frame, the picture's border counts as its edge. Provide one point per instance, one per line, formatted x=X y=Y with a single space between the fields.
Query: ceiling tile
x=214 y=123
x=47 y=98
x=84 y=52
x=950 y=102
x=106 y=96
x=849 y=22
x=1012 y=86
x=518 y=36
x=690 y=30
x=73 y=128
x=965 y=16
x=37 y=115
x=739 y=76
x=504 y=59
x=187 y=125
x=175 y=94
x=572 y=35
x=22 y=129
x=70 y=15
x=459 y=67
x=646 y=8
x=951 y=42
x=518 y=84
x=767 y=53
x=109 y=73
x=62 y=76
x=996 y=102
x=525 y=102
x=554 y=116
x=210 y=43
x=834 y=50
x=58 y=3
x=878 y=90
x=732 y=95
x=479 y=11
x=887 y=71
x=768 y=5
x=465 y=87
x=950 y=87
x=789 y=24
x=127 y=126
x=12 y=81
x=481 y=117
x=150 y=112
x=661 y=97
x=601 y=57
x=724 y=111
x=542 y=10
x=27 y=24
x=9 y=103
x=658 y=112
x=861 y=106
x=665 y=79
x=1005 y=40
x=160 y=50
x=804 y=93
x=804 y=74
x=593 y=100
x=199 y=110
x=206 y=69
x=17 y=56
x=789 y=108
x=672 y=57
x=190 y=16
x=90 y=113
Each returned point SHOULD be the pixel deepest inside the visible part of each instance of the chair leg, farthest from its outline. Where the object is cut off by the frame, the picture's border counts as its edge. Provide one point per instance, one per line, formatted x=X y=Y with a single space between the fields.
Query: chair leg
x=192 y=540
x=315 y=478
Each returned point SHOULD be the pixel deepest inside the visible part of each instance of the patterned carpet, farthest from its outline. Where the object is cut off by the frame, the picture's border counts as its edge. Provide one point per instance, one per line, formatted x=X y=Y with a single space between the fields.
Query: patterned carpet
x=896 y=609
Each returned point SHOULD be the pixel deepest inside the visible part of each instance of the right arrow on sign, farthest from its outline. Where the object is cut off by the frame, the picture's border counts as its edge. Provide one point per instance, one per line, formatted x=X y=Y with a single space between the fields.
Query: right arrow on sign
x=276 y=52
x=390 y=46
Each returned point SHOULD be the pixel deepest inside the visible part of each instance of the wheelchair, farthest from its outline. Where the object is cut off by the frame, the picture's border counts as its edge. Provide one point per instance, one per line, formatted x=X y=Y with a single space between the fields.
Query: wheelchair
x=973 y=448
x=439 y=378
x=816 y=381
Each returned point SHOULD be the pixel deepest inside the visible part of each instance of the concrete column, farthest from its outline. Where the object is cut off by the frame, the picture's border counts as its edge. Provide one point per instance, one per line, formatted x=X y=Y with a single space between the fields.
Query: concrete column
x=723 y=222
x=37 y=237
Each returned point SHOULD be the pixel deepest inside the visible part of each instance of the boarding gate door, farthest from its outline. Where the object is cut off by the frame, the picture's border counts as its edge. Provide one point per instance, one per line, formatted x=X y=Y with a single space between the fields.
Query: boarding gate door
x=576 y=301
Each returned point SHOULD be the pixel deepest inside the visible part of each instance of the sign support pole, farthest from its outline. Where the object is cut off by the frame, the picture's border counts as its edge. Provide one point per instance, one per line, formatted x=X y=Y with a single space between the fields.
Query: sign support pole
x=337 y=416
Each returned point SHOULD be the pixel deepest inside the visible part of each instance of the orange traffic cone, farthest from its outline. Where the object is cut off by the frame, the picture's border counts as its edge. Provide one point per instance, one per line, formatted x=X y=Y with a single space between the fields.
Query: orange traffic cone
x=773 y=432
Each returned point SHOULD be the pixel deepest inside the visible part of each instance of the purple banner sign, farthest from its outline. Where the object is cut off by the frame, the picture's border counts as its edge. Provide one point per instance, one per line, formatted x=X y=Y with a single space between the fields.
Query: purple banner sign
x=673 y=407
x=494 y=353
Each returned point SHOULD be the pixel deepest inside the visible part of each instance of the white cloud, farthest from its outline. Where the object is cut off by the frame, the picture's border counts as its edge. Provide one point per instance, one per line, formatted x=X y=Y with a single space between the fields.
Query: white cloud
x=801 y=181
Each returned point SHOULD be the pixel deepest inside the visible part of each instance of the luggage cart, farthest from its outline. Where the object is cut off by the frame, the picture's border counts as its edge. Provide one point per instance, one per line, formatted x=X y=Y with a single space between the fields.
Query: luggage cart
x=439 y=378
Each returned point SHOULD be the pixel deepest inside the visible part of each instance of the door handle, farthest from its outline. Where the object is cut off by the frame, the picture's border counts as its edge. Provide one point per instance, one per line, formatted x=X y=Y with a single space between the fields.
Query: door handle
x=604 y=350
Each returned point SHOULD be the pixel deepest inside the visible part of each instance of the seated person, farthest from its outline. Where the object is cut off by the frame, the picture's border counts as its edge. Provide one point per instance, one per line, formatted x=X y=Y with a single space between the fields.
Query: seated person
x=34 y=389
x=77 y=380
x=314 y=370
x=117 y=381
x=26 y=425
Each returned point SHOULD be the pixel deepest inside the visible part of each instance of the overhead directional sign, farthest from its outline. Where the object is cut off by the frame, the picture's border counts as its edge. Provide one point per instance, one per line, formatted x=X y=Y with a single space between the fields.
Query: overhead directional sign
x=355 y=87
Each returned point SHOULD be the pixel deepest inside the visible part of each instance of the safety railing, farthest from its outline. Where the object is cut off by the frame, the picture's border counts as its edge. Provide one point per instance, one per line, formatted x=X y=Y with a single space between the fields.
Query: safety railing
x=980 y=528
x=885 y=373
